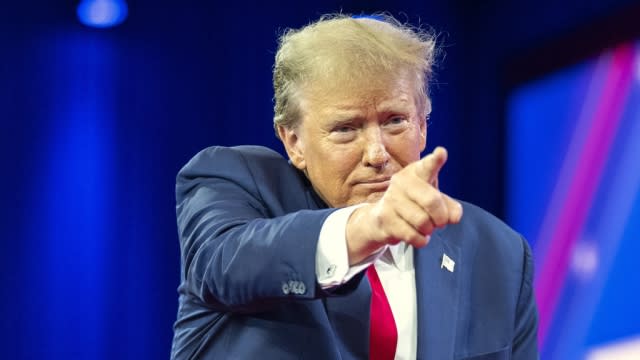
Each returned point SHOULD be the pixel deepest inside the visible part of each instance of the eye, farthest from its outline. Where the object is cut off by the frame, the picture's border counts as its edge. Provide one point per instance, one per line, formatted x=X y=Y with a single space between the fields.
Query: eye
x=343 y=129
x=344 y=132
x=396 y=121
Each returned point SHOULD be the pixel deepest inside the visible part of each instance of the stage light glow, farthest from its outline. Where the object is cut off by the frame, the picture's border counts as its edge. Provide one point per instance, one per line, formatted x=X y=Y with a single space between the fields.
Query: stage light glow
x=626 y=349
x=638 y=63
x=584 y=259
x=102 y=13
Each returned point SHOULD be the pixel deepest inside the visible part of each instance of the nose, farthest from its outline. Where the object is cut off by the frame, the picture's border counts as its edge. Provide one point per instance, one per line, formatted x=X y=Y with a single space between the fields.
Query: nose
x=375 y=151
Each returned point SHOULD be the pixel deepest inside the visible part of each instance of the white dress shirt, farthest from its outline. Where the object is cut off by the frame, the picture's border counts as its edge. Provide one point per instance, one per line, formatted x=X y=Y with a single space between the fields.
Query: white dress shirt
x=394 y=265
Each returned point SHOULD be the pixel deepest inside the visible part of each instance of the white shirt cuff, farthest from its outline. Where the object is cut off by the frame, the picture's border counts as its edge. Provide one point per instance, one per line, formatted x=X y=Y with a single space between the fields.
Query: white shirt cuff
x=332 y=257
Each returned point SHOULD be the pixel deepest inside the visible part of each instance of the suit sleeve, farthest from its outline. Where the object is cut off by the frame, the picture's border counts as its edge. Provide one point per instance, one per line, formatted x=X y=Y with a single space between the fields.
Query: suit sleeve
x=236 y=255
x=525 y=343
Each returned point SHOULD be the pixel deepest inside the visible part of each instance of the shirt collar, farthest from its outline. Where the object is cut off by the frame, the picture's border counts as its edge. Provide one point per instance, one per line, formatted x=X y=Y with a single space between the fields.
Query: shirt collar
x=399 y=256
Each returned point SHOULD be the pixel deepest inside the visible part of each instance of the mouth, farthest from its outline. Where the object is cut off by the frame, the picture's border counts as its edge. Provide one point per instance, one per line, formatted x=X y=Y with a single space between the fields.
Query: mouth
x=376 y=184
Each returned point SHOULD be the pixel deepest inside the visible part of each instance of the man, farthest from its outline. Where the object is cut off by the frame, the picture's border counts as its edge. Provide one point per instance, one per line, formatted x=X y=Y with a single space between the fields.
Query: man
x=349 y=250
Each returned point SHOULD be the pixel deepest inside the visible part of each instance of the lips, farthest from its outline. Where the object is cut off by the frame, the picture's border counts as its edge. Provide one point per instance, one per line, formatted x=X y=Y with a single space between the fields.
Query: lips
x=375 y=184
x=375 y=180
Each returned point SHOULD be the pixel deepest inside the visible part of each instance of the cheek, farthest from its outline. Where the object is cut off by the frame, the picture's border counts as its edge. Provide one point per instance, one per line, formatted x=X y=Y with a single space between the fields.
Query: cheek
x=404 y=150
x=333 y=167
x=342 y=159
x=336 y=168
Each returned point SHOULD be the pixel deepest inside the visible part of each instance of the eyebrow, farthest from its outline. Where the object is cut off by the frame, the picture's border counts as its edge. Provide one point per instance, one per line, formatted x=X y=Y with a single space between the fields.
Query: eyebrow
x=393 y=105
x=338 y=120
x=399 y=105
x=345 y=114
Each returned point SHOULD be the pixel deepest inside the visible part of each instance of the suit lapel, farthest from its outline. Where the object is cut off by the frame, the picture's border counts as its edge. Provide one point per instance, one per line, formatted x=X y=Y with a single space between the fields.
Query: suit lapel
x=437 y=293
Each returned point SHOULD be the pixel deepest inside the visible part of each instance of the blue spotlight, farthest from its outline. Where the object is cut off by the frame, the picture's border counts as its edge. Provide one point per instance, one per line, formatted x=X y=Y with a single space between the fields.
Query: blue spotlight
x=102 y=13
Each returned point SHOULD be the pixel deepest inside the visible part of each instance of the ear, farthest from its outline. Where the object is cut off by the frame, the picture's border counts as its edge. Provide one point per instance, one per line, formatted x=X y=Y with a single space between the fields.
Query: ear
x=293 y=145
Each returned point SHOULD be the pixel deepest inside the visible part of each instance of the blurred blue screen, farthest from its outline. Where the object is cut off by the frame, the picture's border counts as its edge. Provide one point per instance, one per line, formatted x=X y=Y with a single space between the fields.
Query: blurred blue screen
x=573 y=190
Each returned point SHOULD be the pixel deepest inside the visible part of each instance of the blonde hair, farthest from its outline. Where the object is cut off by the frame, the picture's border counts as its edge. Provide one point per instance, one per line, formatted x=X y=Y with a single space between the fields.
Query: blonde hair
x=343 y=48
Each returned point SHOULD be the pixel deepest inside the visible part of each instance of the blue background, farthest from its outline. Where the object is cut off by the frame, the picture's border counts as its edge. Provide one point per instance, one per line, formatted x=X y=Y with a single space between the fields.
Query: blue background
x=95 y=124
x=596 y=304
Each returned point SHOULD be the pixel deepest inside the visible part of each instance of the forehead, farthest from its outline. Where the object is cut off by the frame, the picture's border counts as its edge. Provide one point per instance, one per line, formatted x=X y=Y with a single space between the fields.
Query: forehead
x=395 y=94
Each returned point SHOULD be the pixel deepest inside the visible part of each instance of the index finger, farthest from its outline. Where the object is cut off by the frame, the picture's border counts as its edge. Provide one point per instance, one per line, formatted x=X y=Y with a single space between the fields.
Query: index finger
x=429 y=166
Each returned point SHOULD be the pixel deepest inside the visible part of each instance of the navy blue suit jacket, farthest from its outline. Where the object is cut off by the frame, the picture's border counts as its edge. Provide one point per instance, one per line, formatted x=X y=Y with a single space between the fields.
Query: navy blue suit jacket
x=249 y=223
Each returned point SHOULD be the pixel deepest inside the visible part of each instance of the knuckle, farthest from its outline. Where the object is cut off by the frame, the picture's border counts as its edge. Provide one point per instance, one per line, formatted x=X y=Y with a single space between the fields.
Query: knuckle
x=406 y=235
x=437 y=209
x=426 y=228
x=421 y=219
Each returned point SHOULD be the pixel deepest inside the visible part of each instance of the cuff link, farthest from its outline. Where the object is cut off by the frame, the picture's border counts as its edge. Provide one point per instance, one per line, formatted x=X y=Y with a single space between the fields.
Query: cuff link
x=331 y=270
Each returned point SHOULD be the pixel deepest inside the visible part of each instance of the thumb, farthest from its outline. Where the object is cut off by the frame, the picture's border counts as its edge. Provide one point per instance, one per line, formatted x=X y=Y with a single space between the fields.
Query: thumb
x=429 y=166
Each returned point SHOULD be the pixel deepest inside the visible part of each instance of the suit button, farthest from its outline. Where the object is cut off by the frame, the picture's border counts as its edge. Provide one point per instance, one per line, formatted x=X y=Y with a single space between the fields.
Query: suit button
x=293 y=286
x=285 y=289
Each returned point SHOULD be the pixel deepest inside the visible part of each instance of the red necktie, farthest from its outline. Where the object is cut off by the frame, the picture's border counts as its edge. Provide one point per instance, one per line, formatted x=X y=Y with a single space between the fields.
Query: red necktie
x=383 y=335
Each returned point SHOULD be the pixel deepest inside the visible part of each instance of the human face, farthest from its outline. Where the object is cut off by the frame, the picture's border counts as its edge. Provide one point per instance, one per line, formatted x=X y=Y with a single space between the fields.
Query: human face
x=350 y=141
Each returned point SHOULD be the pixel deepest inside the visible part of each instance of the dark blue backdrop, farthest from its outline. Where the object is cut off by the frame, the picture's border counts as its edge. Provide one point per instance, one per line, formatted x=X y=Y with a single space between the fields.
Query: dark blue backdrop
x=96 y=123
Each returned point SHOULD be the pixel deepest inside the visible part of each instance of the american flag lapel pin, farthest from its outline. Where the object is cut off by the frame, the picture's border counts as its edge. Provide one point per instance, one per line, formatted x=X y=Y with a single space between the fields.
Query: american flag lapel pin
x=447 y=263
